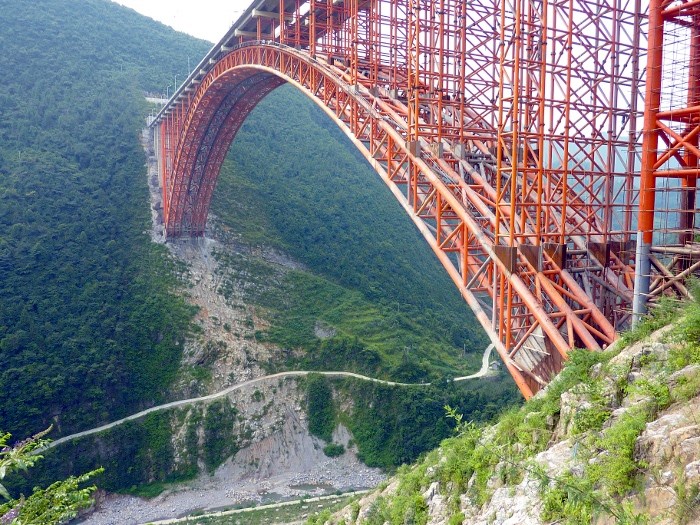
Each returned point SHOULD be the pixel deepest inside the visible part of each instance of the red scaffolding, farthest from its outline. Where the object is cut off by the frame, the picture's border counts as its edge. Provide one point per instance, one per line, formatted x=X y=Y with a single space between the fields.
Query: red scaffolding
x=509 y=130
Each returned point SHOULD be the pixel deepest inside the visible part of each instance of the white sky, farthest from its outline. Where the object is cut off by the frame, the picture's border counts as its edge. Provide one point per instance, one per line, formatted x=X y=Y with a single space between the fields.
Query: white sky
x=207 y=19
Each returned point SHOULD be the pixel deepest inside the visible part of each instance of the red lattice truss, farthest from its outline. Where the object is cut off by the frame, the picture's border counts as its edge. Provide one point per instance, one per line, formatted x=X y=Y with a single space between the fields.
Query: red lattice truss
x=509 y=130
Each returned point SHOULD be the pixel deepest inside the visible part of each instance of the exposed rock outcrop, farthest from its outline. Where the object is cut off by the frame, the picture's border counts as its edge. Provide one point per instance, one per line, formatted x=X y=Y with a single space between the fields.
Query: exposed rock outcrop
x=629 y=435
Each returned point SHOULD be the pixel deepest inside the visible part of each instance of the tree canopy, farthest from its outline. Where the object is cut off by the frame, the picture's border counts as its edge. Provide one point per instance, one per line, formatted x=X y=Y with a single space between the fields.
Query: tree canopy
x=90 y=328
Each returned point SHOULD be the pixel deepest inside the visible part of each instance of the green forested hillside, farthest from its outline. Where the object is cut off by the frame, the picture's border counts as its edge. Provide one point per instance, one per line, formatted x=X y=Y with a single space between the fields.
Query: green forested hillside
x=295 y=182
x=89 y=329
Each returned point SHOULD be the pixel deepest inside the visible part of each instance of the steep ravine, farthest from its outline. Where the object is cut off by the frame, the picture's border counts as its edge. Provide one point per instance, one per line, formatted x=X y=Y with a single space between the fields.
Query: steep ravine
x=239 y=433
x=275 y=457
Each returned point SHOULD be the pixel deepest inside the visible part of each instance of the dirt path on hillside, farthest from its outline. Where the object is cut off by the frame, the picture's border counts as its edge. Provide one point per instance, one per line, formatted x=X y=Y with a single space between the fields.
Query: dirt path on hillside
x=282 y=465
x=280 y=375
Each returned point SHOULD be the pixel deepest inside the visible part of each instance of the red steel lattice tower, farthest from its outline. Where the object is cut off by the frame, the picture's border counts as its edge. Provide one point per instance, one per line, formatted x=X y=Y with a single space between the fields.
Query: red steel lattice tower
x=668 y=249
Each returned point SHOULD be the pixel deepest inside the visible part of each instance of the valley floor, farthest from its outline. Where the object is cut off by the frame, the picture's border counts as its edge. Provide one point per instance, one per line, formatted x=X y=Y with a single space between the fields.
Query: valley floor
x=226 y=489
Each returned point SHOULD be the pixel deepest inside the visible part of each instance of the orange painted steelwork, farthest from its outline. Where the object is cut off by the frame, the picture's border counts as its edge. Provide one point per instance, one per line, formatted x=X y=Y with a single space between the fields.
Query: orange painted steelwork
x=668 y=210
x=509 y=131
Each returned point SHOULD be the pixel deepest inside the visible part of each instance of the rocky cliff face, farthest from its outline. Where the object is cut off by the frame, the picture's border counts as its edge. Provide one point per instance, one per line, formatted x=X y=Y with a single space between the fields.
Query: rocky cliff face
x=616 y=439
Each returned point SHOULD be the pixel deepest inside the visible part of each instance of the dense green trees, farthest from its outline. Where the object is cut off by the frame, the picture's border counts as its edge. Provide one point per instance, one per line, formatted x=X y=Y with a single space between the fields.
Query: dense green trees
x=320 y=407
x=89 y=327
x=394 y=425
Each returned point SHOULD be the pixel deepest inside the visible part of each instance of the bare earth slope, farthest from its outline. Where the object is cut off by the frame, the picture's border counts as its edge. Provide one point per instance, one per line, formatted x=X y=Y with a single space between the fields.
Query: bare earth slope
x=282 y=460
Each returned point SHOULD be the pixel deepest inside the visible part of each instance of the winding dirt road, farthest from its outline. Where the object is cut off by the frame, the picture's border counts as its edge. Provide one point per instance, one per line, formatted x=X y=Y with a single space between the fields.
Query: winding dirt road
x=185 y=402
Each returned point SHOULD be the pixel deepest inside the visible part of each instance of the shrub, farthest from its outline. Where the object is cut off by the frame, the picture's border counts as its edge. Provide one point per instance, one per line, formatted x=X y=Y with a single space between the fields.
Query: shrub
x=320 y=408
x=333 y=450
x=56 y=504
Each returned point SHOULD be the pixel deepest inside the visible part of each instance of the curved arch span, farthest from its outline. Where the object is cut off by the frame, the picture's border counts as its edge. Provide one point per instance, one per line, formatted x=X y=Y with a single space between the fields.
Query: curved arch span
x=211 y=128
x=458 y=219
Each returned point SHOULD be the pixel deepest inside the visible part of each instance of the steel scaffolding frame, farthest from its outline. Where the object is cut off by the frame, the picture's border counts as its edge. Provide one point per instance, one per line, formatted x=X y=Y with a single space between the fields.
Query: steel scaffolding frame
x=668 y=250
x=509 y=130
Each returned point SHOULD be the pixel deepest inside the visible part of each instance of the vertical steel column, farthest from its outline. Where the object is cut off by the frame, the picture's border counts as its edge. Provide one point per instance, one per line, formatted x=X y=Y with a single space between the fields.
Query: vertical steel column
x=647 y=190
x=691 y=157
x=163 y=163
x=282 y=24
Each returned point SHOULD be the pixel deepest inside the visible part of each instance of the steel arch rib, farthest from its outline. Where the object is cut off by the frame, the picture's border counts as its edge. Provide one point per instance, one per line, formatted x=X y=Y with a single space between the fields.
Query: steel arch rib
x=425 y=186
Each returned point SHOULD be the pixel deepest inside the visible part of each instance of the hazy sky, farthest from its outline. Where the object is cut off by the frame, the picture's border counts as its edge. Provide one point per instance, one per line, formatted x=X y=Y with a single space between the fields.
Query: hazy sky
x=207 y=19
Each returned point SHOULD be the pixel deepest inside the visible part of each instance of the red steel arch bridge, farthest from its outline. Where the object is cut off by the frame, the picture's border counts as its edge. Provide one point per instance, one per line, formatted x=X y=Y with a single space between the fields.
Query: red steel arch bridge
x=547 y=150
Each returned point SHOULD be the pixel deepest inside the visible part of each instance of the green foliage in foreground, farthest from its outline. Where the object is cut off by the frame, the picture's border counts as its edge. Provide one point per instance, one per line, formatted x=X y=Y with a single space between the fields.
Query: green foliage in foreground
x=659 y=317
x=53 y=505
x=577 y=499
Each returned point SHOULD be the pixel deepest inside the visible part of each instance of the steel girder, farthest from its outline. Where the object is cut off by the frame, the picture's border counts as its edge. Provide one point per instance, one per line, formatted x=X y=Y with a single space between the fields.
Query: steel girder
x=533 y=309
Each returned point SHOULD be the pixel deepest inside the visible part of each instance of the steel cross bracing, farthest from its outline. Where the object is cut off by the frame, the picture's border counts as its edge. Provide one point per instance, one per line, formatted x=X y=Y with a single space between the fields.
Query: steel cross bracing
x=509 y=130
